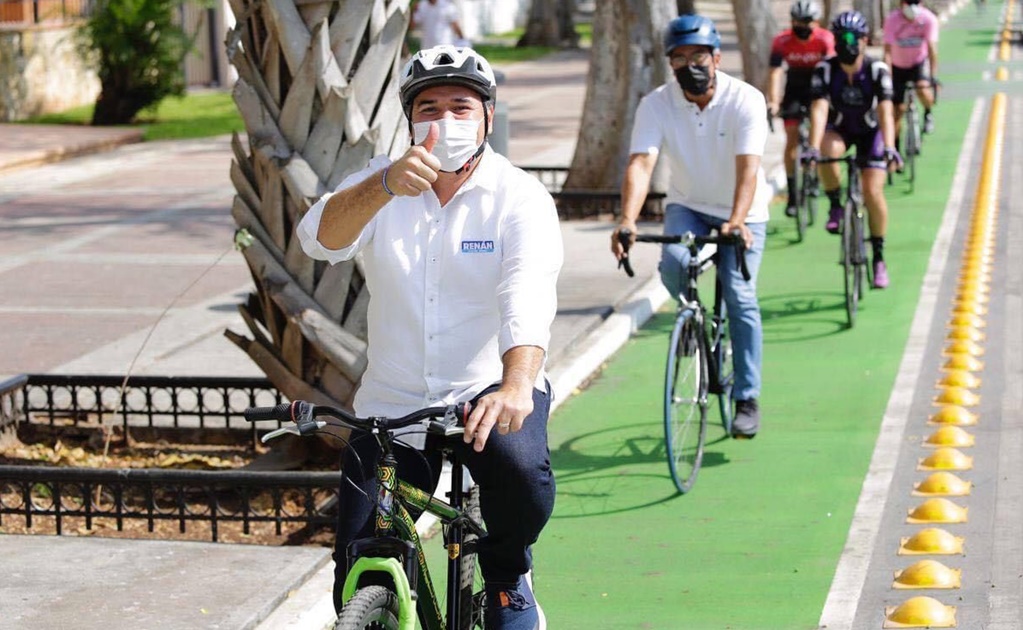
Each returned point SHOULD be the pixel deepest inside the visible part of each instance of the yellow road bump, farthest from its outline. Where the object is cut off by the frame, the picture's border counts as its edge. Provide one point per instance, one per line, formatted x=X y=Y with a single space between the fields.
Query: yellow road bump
x=920 y=612
x=928 y=574
x=957 y=396
x=959 y=361
x=960 y=378
x=938 y=510
x=955 y=415
x=946 y=458
x=969 y=333
x=967 y=319
x=942 y=483
x=968 y=307
x=932 y=541
x=963 y=346
x=950 y=435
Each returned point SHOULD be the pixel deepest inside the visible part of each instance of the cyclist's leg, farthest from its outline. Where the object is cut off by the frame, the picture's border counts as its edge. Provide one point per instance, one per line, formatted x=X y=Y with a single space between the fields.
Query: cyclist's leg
x=516 y=493
x=744 y=315
x=925 y=91
x=873 y=170
x=833 y=146
x=791 y=118
x=356 y=507
x=678 y=219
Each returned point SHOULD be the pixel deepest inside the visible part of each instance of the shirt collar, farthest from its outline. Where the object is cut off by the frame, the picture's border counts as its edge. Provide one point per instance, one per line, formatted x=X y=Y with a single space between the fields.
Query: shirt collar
x=486 y=174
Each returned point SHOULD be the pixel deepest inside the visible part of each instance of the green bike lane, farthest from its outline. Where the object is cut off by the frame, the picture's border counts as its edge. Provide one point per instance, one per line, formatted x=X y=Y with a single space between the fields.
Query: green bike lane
x=756 y=543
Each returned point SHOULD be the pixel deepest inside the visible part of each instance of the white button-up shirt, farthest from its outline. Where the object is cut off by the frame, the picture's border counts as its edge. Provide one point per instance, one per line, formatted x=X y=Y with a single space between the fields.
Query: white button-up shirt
x=453 y=288
x=701 y=145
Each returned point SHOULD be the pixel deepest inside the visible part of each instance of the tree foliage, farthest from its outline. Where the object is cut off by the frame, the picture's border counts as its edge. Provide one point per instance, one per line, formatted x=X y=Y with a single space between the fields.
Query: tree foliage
x=138 y=50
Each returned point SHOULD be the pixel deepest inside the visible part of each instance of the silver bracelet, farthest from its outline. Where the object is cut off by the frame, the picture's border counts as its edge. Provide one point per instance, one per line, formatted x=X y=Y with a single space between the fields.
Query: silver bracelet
x=383 y=181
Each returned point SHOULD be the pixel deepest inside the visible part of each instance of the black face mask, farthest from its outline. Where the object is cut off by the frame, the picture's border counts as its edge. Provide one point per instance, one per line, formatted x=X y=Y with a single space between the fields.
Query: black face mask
x=694 y=79
x=847 y=54
x=802 y=32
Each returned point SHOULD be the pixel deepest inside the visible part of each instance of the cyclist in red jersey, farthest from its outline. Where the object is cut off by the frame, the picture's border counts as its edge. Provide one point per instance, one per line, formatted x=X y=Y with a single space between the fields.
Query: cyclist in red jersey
x=799 y=48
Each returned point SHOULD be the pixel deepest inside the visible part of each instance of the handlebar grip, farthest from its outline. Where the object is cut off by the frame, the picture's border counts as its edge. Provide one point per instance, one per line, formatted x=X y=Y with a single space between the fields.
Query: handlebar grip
x=625 y=238
x=740 y=253
x=280 y=413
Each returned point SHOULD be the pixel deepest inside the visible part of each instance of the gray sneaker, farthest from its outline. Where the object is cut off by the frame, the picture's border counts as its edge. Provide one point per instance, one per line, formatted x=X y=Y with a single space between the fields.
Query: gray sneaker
x=747 y=419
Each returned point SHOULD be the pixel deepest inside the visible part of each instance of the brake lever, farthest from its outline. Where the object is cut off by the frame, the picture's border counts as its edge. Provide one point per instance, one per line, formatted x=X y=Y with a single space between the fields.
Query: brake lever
x=294 y=430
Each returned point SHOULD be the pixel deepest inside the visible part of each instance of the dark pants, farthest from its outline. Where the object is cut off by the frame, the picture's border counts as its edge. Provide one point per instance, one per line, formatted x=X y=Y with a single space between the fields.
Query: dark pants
x=516 y=493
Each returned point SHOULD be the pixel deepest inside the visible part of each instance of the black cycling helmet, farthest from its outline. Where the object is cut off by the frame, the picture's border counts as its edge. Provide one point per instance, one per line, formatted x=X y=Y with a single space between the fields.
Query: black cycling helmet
x=850 y=22
x=694 y=30
x=805 y=10
x=446 y=65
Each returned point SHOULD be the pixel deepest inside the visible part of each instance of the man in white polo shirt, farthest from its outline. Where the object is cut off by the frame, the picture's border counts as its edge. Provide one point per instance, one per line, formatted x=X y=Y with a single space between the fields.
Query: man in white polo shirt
x=711 y=129
x=461 y=252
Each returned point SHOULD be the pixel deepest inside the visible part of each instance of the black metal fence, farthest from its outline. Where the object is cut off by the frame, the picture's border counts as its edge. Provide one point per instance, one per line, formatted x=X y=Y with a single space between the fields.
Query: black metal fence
x=590 y=204
x=48 y=497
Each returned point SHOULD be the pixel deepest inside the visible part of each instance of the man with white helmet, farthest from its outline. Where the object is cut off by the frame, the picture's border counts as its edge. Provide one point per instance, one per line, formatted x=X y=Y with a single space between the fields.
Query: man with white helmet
x=795 y=52
x=461 y=252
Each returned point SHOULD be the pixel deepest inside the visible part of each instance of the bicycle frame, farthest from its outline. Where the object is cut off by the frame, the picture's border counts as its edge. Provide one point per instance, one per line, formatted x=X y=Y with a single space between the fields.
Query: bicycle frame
x=394 y=555
x=395 y=534
x=690 y=301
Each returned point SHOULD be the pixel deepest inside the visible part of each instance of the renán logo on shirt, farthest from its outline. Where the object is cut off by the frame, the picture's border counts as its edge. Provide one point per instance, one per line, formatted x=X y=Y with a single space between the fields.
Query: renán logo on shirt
x=477 y=247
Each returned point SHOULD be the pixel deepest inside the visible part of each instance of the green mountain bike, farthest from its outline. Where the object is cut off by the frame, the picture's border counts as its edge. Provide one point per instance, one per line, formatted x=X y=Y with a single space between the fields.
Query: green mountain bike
x=388 y=583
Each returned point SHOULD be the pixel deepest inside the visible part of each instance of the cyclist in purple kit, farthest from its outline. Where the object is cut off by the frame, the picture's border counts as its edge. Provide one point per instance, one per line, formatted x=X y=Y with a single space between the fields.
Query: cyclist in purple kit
x=851 y=96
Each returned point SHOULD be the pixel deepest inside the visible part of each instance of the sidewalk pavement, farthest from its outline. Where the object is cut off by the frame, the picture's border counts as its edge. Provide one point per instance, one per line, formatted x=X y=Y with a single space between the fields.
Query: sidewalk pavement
x=131 y=248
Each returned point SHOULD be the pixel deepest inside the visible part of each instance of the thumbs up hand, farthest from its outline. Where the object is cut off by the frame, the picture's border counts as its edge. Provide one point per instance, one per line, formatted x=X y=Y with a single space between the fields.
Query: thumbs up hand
x=414 y=173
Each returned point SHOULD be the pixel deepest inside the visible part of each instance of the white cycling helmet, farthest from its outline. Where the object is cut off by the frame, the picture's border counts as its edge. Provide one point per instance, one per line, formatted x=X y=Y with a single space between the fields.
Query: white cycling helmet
x=446 y=65
x=805 y=10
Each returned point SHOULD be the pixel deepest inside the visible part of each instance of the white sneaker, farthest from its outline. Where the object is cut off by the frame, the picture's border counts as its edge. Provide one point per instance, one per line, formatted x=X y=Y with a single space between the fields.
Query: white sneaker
x=542 y=622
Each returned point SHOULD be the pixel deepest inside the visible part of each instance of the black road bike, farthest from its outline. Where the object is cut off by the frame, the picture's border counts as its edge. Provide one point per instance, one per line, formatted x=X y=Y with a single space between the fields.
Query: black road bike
x=699 y=354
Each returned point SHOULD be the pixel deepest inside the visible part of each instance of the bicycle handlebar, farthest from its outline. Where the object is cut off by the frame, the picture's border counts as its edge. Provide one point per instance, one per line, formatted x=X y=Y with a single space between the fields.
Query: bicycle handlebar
x=691 y=240
x=444 y=420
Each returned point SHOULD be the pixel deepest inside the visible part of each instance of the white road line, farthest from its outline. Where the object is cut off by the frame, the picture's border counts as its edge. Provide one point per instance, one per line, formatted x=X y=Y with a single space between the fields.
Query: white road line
x=847 y=585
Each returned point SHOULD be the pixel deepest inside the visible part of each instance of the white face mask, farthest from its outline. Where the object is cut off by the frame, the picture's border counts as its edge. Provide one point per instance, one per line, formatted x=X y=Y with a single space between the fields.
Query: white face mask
x=455 y=145
x=911 y=11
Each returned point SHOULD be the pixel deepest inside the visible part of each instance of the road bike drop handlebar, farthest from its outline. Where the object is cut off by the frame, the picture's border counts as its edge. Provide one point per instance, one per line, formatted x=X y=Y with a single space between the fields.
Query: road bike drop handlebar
x=445 y=421
x=690 y=240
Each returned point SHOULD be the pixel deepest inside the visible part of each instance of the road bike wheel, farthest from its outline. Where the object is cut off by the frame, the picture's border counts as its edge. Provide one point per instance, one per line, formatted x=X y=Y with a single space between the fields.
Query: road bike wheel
x=370 y=608
x=912 y=145
x=721 y=370
x=470 y=591
x=849 y=267
x=685 y=400
x=860 y=260
x=799 y=197
x=808 y=201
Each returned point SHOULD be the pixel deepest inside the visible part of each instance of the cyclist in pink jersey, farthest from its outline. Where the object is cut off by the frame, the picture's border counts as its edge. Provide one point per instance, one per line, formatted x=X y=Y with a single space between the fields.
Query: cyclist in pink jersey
x=911 y=50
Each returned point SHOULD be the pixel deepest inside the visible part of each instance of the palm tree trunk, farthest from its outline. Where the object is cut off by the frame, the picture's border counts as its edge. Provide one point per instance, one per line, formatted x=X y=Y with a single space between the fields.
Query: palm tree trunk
x=316 y=91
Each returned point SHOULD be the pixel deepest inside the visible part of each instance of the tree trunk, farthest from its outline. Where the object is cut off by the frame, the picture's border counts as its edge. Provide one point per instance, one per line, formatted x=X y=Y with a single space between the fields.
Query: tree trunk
x=317 y=90
x=626 y=62
x=872 y=10
x=756 y=28
x=686 y=7
x=550 y=23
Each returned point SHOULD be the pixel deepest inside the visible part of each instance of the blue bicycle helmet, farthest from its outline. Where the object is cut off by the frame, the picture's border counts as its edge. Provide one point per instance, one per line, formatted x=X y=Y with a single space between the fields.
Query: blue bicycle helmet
x=694 y=30
x=850 y=22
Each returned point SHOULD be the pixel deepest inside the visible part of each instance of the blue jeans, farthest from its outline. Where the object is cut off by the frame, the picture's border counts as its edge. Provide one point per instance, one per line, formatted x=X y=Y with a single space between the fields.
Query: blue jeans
x=740 y=296
x=516 y=492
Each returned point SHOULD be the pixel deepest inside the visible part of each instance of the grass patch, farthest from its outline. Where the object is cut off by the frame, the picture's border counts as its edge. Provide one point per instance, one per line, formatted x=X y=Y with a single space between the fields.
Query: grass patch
x=197 y=115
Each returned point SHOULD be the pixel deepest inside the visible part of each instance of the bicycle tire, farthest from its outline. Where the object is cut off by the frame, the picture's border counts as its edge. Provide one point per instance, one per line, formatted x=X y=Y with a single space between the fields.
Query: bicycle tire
x=911 y=144
x=799 y=197
x=685 y=401
x=470 y=591
x=849 y=266
x=860 y=260
x=370 y=608
x=721 y=370
x=808 y=207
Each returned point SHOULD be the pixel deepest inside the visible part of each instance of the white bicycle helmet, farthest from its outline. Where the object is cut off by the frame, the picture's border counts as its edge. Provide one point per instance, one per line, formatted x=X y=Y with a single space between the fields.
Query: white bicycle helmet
x=446 y=65
x=805 y=10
